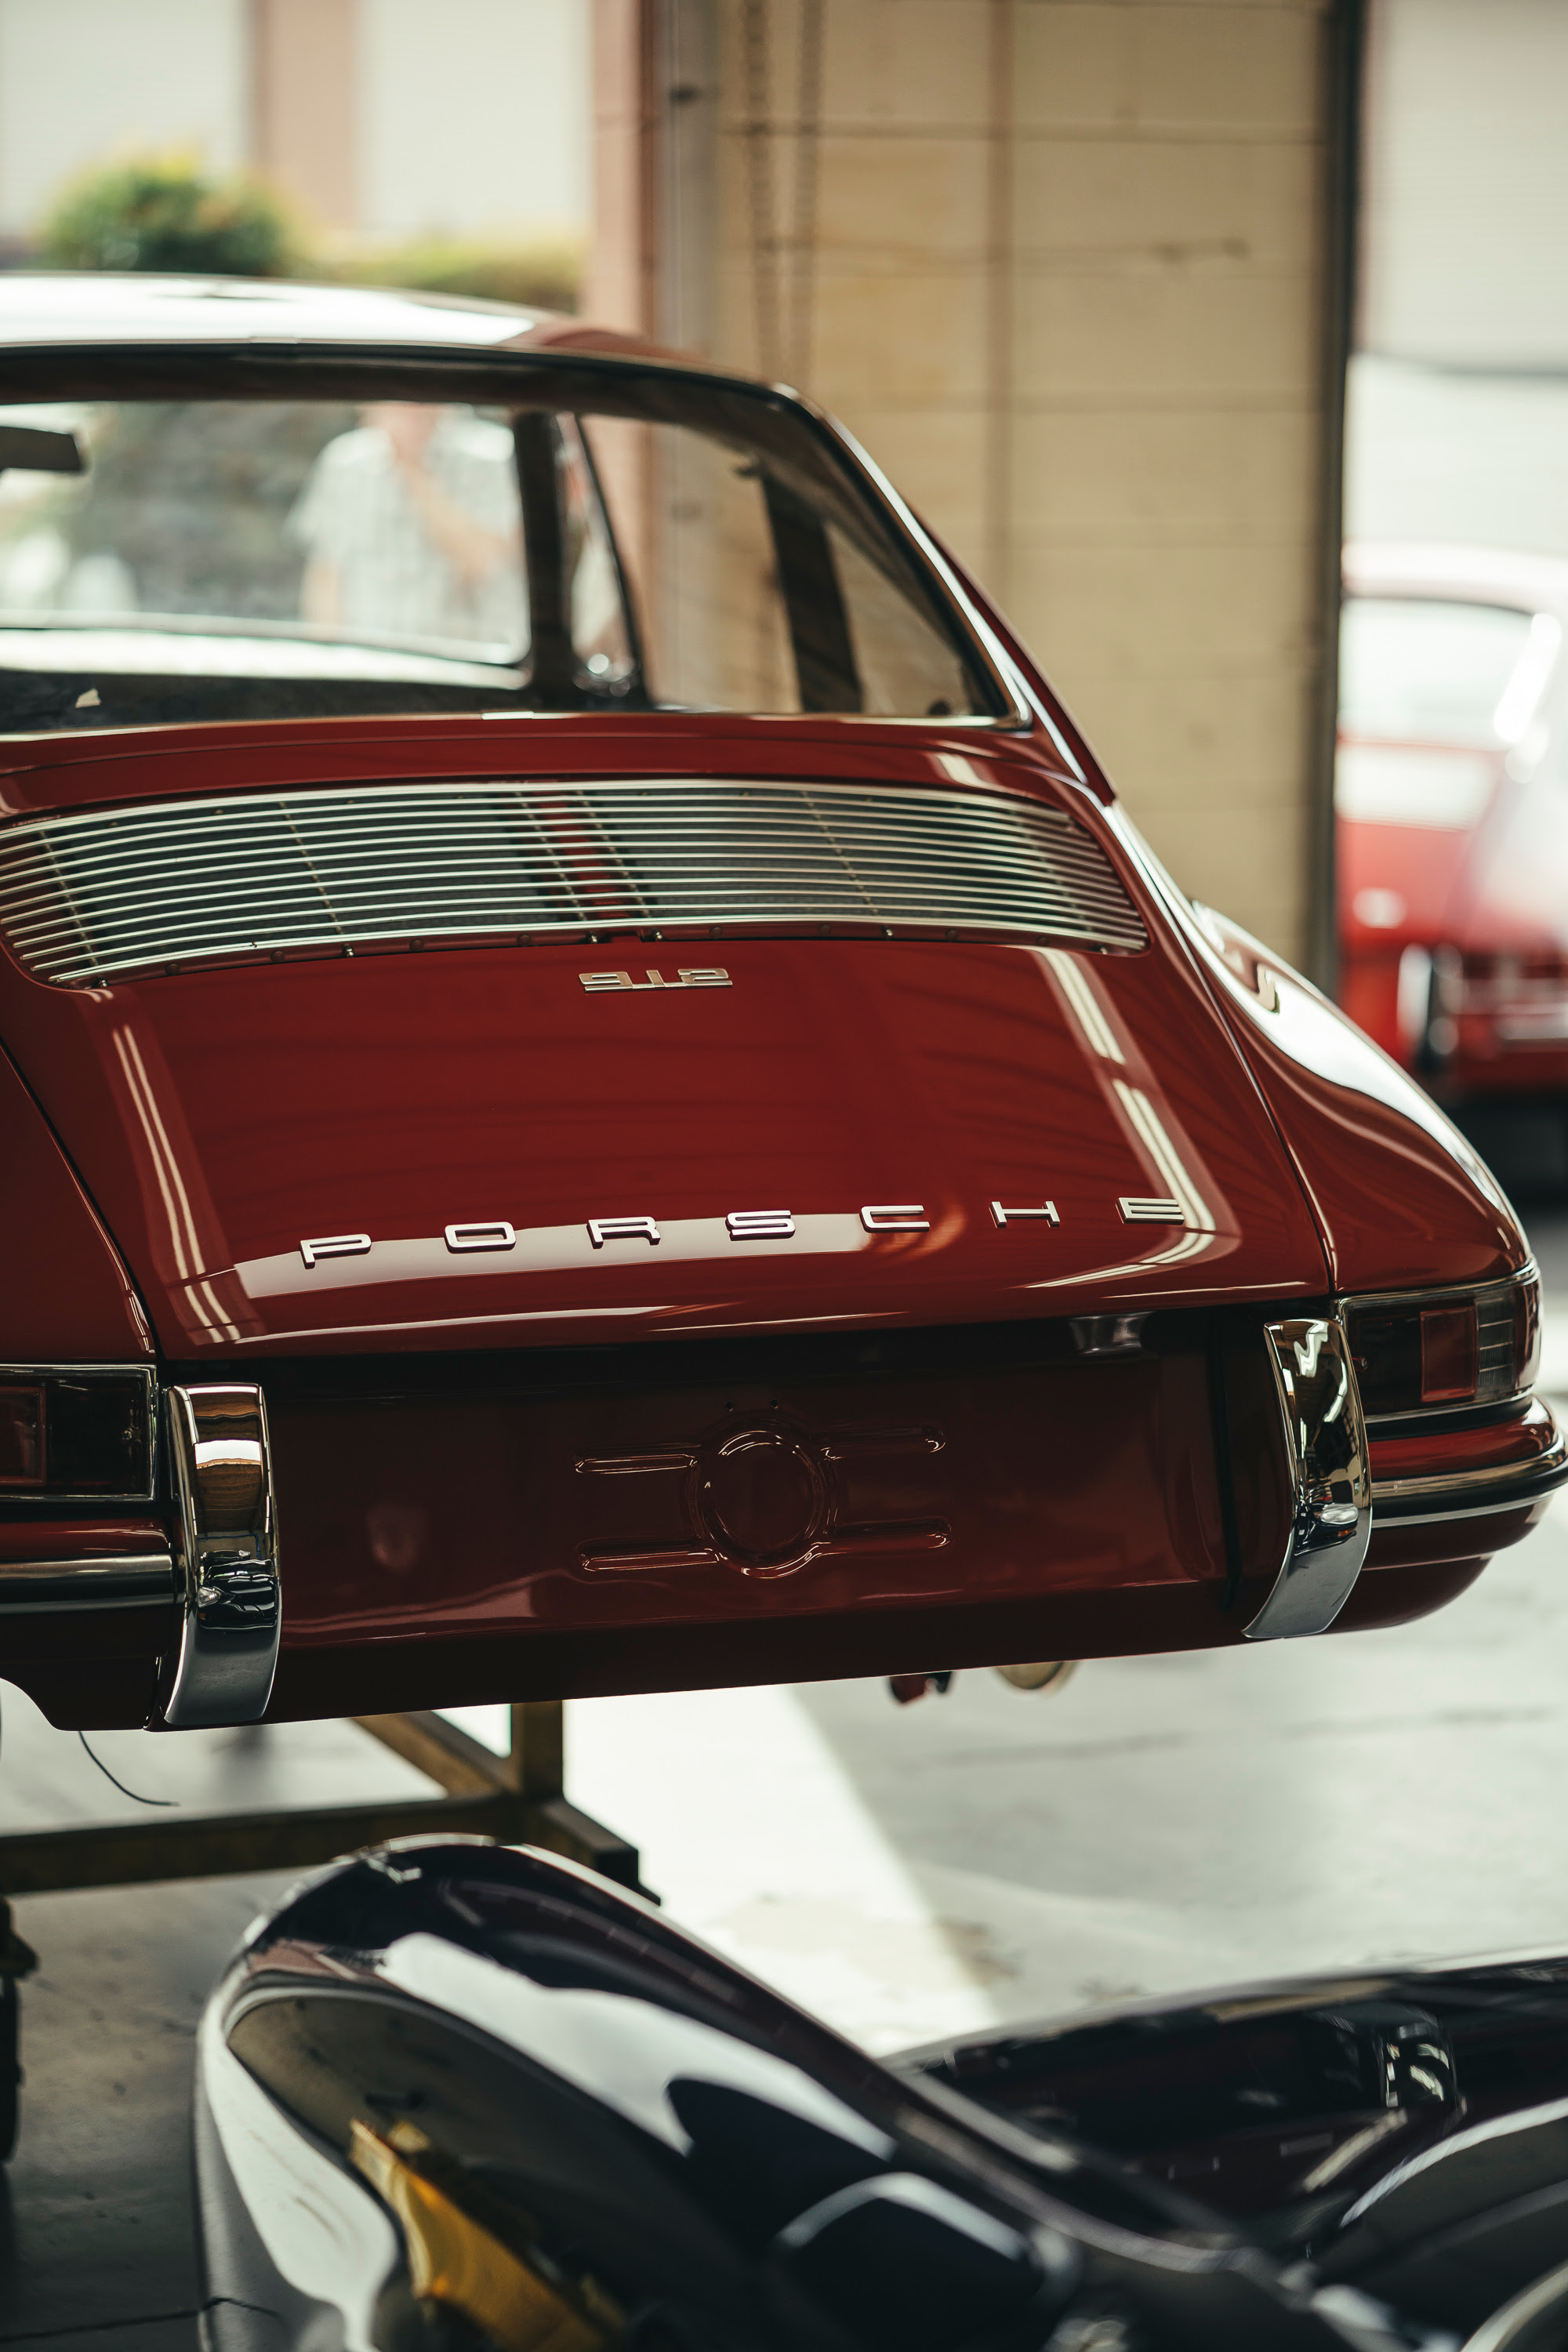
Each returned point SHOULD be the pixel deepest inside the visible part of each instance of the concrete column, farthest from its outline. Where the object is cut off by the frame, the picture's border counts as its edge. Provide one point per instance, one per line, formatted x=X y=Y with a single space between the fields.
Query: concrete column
x=303 y=67
x=1070 y=268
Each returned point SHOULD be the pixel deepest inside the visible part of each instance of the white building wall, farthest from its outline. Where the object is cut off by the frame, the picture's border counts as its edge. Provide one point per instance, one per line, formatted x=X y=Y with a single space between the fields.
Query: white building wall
x=474 y=115
x=82 y=80
x=1465 y=200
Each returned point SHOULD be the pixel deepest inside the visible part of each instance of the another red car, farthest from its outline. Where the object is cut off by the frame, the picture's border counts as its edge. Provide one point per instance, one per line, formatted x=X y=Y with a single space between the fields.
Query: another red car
x=598 y=1095
x=1453 y=819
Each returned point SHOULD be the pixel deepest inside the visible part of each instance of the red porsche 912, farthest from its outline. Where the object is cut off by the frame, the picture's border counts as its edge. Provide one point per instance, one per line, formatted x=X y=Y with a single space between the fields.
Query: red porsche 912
x=598 y=1095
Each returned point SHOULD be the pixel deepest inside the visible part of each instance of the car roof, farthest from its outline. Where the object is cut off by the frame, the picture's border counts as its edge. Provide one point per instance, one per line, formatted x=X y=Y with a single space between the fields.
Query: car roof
x=1487 y=575
x=40 y=309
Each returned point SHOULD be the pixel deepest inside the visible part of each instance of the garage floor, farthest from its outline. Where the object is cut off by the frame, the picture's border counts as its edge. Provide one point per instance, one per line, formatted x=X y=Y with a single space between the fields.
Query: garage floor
x=1163 y=1822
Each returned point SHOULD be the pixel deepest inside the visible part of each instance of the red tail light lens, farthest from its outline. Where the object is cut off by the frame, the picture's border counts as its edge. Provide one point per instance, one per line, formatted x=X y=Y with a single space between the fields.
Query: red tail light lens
x=1450 y=1354
x=21 y=1436
x=78 y=1432
x=1478 y=1347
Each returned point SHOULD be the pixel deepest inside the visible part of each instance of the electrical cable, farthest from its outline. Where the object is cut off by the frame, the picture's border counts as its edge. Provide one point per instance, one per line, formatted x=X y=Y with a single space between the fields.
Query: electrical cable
x=131 y=1793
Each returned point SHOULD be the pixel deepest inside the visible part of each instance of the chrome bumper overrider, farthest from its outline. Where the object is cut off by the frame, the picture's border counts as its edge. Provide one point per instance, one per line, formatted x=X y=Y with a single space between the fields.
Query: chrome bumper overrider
x=219 y=1573
x=1330 y=1477
x=227 y=1540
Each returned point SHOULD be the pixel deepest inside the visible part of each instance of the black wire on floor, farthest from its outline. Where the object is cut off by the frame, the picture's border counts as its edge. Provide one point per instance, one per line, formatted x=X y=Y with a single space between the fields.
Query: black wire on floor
x=131 y=1793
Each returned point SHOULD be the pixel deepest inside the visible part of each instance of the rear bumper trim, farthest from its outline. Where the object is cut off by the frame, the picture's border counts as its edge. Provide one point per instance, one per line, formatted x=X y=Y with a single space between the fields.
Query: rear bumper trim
x=1471 y=1494
x=138 y=1580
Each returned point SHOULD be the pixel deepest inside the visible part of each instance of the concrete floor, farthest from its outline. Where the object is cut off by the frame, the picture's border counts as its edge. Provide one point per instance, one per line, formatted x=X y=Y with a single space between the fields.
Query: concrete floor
x=1163 y=1822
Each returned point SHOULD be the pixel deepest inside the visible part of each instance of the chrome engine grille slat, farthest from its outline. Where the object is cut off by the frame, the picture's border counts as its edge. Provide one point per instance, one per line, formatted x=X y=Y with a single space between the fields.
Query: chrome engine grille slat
x=85 y=899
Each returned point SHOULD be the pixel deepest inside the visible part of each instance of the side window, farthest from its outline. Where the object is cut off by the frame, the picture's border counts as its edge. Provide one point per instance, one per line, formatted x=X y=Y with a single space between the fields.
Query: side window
x=602 y=637
x=691 y=526
x=753 y=595
x=903 y=664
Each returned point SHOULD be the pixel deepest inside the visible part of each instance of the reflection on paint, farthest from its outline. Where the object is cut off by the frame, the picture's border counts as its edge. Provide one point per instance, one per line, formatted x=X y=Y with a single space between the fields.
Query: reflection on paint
x=1110 y=1053
x=206 y=1308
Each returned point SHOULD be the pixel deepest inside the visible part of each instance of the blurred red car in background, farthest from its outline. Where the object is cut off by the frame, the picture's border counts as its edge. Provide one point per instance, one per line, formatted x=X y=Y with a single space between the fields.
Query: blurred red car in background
x=1452 y=804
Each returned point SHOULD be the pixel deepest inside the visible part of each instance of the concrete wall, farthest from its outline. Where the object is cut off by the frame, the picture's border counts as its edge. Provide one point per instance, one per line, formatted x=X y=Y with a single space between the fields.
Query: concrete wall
x=380 y=117
x=1060 y=263
x=1464 y=227
x=474 y=115
x=82 y=80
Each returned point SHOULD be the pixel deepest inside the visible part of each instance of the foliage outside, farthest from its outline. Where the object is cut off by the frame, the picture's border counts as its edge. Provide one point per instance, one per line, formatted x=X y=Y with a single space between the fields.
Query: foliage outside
x=163 y=213
x=543 y=275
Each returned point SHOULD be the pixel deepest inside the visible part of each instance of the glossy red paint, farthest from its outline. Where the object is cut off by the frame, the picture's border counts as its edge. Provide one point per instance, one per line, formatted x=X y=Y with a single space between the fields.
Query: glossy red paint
x=95 y=1669
x=741 y=1502
x=1523 y=1438
x=517 y=1473
x=1401 y=1198
x=485 y=1084
x=945 y=1480
x=68 y=1297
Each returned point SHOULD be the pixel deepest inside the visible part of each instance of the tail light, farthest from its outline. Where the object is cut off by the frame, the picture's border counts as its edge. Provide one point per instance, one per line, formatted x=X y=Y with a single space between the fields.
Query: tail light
x=1445 y=1380
x=68 y=1432
x=1443 y=1350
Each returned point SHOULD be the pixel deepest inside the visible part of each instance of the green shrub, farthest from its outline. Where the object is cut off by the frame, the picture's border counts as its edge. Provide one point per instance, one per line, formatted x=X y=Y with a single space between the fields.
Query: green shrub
x=544 y=274
x=162 y=213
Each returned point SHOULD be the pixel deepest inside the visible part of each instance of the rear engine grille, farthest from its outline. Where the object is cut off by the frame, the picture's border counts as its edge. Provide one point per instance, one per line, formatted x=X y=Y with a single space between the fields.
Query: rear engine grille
x=83 y=898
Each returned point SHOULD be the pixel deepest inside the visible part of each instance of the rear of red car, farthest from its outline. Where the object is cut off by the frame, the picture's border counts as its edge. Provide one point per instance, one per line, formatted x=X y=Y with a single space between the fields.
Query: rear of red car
x=1453 y=817
x=649 y=1124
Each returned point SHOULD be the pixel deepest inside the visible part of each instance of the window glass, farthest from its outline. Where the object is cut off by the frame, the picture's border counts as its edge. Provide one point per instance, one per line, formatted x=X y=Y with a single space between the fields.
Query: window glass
x=561 y=540
x=1422 y=670
x=753 y=598
x=397 y=520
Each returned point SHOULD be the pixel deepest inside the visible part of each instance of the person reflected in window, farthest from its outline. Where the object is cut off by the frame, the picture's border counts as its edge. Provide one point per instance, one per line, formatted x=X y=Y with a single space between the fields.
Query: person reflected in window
x=410 y=527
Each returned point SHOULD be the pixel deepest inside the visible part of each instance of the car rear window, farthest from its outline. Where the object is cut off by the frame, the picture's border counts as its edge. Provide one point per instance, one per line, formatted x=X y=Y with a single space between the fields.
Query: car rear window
x=1424 y=670
x=643 y=544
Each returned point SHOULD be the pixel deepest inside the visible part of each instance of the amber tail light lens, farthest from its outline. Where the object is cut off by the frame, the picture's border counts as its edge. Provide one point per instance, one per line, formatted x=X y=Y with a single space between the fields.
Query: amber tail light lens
x=1479 y=1346
x=76 y=1434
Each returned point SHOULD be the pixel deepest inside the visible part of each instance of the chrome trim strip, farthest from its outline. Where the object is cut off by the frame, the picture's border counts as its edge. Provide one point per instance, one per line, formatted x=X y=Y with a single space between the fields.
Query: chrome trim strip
x=1465 y=1482
x=227 y=1521
x=1528 y=1272
x=1401 y=1519
x=1449 y=1493
x=1331 y=1502
x=104 y=892
x=37 y=1587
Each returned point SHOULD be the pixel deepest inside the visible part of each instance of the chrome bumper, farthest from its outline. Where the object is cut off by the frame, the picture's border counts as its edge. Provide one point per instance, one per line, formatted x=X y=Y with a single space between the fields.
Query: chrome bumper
x=1330 y=1477
x=1472 y=1494
x=143 y=1579
x=227 y=1555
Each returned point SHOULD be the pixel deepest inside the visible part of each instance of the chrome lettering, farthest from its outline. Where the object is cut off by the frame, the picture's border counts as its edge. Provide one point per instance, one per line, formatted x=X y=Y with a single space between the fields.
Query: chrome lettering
x=621 y=1229
x=900 y=1219
x=759 y=1224
x=496 y=1235
x=602 y=983
x=335 y=1245
x=1146 y=1212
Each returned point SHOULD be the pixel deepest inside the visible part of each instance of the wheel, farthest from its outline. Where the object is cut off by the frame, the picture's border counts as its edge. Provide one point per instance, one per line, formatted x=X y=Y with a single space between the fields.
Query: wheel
x=10 y=2064
x=1050 y=1674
